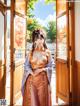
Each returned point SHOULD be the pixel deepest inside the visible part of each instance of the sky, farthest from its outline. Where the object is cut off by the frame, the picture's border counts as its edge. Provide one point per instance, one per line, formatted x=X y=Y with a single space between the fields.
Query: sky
x=44 y=12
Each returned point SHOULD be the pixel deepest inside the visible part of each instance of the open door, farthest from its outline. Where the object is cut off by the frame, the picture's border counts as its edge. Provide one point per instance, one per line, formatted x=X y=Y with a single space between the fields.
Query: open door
x=18 y=33
x=62 y=55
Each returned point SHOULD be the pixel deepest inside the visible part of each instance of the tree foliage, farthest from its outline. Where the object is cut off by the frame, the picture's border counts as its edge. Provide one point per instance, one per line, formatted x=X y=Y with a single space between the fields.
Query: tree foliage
x=50 y=1
x=31 y=3
x=32 y=23
x=51 y=30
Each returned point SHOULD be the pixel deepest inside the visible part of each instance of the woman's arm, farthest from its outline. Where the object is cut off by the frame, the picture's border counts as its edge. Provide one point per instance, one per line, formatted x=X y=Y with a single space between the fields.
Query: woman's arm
x=27 y=66
x=27 y=71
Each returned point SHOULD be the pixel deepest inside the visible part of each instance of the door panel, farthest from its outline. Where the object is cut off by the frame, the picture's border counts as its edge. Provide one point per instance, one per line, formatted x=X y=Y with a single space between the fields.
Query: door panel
x=61 y=4
x=62 y=37
x=62 y=56
x=63 y=85
x=17 y=82
x=20 y=6
x=18 y=48
x=19 y=53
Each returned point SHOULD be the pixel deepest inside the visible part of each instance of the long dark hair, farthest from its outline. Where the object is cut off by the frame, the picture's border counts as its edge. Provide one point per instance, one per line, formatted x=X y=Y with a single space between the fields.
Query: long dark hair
x=35 y=35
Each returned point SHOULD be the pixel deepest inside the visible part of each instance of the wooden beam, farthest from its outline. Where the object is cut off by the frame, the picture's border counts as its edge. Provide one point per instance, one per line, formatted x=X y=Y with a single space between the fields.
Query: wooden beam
x=12 y=52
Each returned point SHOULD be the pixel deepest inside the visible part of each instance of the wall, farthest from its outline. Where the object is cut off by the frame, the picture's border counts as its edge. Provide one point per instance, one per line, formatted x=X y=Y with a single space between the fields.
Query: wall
x=77 y=52
x=2 y=87
x=1 y=36
x=77 y=31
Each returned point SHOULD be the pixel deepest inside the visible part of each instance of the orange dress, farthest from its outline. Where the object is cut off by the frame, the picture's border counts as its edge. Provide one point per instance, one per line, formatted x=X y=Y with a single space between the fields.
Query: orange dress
x=36 y=89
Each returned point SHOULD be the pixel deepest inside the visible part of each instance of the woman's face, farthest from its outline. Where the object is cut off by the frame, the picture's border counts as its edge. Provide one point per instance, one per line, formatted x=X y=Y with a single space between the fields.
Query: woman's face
x=39 y=43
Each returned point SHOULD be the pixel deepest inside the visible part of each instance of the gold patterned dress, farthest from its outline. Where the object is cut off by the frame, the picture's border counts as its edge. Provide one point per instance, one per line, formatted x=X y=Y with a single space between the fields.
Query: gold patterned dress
x=37 y=88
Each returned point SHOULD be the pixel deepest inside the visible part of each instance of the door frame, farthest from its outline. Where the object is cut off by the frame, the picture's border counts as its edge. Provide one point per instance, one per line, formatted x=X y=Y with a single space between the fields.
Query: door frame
x=72 y=5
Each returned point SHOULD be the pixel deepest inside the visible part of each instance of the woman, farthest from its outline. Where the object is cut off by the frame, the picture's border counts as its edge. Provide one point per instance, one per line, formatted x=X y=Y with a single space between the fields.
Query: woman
x=37 y=73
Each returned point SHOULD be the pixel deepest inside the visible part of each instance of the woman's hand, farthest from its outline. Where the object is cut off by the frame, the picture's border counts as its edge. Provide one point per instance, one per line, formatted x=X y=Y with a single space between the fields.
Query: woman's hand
x=37 y=71
x=32 y=73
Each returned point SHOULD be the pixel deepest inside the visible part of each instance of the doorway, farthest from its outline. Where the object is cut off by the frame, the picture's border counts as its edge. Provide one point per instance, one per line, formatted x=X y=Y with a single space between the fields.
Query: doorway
x=62 y=77
x=14 y=57
x=64 y=50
